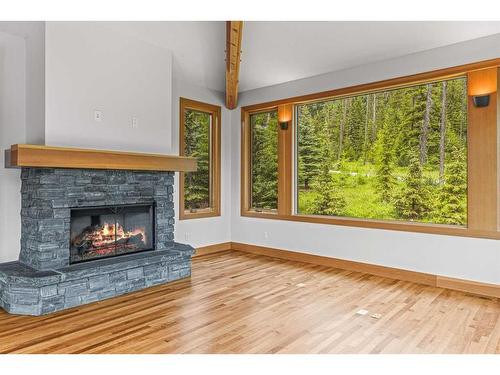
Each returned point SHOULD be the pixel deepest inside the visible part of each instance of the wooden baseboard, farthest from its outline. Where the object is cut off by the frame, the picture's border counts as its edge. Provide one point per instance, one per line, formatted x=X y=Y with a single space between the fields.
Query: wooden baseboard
x=211 y=249
x=468 y=286
x=392 y=273
x=474 y=287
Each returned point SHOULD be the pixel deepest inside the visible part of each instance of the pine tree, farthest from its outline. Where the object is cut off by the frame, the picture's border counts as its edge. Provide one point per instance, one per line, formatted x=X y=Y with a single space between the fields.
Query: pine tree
x=196 y=144
x=412 y=202
x=384 y=165
x=329 y=199
x=442 y=134
x=309 y=150
x=424 y=133
x=451 y=203
x=265 y=160
x=354 y=128
x=346 y=103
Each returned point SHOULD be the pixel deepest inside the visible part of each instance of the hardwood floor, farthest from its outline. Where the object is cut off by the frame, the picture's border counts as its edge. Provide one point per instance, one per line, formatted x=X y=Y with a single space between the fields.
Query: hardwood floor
x=244 y=303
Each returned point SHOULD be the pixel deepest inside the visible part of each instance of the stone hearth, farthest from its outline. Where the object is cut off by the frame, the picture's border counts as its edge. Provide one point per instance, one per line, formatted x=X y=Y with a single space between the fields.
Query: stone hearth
x=44 y=281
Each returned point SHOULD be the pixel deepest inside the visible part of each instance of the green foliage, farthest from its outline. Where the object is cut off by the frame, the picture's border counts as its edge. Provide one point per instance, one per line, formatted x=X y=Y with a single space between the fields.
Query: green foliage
x=329 y=200
x=197 y=145
x=451 y=207
x=264 y=160
x=384 y=166
x=310 y=159
x=412 y=202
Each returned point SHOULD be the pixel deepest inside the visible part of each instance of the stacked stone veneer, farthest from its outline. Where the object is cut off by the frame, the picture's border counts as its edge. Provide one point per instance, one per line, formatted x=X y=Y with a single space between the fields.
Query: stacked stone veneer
x=43 y=281
x=49 y=194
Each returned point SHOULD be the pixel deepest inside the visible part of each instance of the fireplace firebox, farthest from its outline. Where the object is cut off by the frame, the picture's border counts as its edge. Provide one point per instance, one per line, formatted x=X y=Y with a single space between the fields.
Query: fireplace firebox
x=107 y=231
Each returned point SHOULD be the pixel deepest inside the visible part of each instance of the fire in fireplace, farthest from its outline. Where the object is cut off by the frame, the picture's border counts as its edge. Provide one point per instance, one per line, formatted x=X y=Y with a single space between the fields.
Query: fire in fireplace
x=101 y=232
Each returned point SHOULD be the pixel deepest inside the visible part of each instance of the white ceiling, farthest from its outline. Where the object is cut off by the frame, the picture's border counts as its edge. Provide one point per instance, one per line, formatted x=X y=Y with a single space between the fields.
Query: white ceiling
x=276 y=52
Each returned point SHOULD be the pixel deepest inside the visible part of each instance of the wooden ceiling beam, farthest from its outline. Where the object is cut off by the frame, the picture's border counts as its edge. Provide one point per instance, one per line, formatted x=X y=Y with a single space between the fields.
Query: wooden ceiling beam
x=233 y=58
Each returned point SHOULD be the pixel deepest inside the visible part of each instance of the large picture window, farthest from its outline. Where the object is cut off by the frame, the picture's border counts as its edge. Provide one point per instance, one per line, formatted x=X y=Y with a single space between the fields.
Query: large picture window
x=416 y=153
x=398 y=154
x=200 y=138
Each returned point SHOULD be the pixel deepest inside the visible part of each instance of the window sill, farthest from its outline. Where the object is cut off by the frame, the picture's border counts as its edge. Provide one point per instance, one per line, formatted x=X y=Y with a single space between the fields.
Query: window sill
x=441 y=229
x=264 y=214
x=199 y=214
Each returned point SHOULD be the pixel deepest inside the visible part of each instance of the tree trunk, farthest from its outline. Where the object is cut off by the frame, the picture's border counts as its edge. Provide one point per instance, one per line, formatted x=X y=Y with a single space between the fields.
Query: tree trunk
x=365 y=145
x=342 y=126
x=425 y=126
x=442 y=132
x=462 y=123
x=374 y=117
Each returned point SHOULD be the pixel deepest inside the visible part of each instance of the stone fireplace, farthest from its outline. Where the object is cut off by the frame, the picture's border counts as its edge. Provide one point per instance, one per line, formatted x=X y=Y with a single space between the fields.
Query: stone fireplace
x=91 y=234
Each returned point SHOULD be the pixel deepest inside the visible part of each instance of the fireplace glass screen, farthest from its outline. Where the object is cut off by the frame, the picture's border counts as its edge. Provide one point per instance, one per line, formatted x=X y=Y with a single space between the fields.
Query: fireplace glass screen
x=102 y=232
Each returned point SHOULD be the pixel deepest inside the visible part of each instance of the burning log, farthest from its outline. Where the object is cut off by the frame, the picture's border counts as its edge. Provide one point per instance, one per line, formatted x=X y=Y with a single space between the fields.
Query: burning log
x=108 y=237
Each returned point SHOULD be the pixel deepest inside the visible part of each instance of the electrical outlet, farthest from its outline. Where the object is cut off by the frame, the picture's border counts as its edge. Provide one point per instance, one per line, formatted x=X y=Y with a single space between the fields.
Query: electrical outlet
x=266 y=234
x=187 y=236
x=97 y=116
x=135 y=122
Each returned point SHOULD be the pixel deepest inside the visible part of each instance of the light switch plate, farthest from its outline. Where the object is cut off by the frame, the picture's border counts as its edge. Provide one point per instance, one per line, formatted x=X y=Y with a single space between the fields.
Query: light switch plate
x=135 y=122
x=97 y=116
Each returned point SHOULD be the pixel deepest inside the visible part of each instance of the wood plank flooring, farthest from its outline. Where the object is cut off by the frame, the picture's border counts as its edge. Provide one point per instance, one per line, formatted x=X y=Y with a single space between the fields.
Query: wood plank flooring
x=244 y=303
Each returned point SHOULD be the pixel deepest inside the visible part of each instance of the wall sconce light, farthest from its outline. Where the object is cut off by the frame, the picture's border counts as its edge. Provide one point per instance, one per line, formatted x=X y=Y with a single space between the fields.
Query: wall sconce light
x=284 y=125
x=284 y=115
x=481 y=100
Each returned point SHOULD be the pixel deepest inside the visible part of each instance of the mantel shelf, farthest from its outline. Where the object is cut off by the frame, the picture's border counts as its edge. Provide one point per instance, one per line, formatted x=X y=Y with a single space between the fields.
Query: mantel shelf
x=38 y=156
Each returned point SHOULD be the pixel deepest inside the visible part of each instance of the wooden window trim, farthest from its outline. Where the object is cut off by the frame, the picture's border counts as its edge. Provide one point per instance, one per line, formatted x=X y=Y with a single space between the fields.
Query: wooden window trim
x=215 y=162
x=483 y=183
x=284 y=163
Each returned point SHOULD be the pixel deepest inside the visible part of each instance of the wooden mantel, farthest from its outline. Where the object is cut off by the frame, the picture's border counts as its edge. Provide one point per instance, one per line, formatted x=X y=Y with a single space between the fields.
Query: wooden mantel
x=20 y=155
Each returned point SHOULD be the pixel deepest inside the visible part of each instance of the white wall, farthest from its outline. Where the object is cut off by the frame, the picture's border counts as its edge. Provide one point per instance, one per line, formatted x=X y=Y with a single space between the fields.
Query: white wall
x=210 y=230
x=90 y=67
x=12 y=130
x=35 y=83
x=33 y=64
x=467 y=258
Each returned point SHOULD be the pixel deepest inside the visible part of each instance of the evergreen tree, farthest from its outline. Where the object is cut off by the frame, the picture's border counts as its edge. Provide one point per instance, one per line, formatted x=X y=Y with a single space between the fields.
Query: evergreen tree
x=412 y=202
x=451 y=202
x=354 y=129
x=329 y=199
x=384 y=166
x=309 y=155
x=265 y=160
x=196 y=144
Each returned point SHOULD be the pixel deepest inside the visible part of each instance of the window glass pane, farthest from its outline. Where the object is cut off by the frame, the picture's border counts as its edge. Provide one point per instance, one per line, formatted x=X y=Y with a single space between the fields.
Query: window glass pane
x=264 y=160
x=197 y=134
x=400 y=154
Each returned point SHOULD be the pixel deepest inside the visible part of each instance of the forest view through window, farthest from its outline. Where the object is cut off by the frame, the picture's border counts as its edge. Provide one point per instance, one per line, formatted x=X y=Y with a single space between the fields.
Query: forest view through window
x=264 y=160
x=399 y=154
x=197 y=141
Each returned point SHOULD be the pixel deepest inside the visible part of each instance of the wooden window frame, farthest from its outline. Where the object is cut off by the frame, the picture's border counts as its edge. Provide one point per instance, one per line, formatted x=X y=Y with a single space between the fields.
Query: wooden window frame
x=215 y=159
x=483 y=160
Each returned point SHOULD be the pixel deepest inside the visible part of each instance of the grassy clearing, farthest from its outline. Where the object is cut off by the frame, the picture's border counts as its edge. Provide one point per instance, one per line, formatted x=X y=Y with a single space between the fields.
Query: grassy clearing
x=357 y=184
